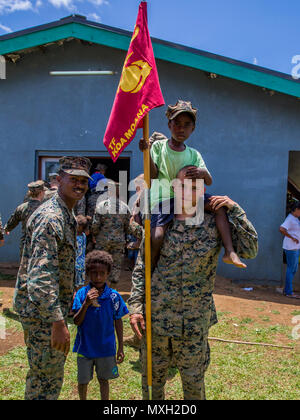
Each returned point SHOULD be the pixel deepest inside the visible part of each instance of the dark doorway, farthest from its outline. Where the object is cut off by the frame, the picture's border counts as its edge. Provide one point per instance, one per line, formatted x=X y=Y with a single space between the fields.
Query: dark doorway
x=113 y=169
x=114 y=172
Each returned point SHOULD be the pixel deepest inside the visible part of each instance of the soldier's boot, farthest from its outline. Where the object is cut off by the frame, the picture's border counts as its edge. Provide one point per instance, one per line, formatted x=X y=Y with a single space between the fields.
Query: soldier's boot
x=132 y=341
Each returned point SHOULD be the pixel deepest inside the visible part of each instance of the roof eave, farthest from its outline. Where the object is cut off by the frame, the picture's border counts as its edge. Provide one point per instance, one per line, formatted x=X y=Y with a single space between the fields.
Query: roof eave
x=120 y=39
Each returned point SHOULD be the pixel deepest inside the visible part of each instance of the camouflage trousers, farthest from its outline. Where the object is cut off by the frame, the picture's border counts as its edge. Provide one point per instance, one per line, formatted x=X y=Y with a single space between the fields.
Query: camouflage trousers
x=116 y=249
x=92 y=201
x=46 y=365
x=191 y=357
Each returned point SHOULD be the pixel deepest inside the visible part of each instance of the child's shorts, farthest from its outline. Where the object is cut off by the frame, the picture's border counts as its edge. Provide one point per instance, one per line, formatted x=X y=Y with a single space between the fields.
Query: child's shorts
x=163 y=212
x=106 y=368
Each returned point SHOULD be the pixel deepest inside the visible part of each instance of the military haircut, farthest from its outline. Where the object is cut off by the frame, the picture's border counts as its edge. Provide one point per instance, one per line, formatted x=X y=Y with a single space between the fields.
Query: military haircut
x=98 y=257
x=34 y=194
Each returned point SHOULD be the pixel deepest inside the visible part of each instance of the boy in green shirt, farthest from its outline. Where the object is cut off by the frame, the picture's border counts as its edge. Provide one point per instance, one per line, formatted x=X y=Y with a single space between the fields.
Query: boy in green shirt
x=167 y=157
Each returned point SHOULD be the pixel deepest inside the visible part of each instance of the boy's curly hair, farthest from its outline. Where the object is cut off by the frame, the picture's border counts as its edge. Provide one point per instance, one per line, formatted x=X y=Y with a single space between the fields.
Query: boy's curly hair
x=98 y=257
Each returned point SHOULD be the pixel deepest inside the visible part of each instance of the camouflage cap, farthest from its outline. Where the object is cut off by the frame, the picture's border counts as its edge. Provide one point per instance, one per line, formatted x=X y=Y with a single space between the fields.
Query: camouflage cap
x=75 y=165
x=53 y=175
x=179 y=108
x=36 y=185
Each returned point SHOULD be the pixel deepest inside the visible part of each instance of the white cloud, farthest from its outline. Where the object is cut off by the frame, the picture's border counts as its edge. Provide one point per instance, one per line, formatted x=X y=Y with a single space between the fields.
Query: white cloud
x=68 y=4
x=94 y=17
x=5 y=28
x=71 y=4
x=10 y=6
x=98 y=2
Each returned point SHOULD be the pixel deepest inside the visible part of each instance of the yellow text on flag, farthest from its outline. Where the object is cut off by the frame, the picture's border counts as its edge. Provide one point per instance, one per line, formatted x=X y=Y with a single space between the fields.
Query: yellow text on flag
x=116 y=145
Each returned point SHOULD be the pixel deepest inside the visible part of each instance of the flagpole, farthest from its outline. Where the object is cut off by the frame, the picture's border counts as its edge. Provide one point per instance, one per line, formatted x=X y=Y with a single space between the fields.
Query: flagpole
x=147 y=179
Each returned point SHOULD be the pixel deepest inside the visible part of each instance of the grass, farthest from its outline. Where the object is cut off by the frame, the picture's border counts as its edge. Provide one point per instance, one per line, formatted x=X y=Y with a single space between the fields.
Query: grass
x=295 y=313
x=236 y=372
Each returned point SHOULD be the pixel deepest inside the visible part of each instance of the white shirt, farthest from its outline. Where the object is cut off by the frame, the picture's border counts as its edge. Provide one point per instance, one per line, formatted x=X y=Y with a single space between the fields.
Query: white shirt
x=292 y=225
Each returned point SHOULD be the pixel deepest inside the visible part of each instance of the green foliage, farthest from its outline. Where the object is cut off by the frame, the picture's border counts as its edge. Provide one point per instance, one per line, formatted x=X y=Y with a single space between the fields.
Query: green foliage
x=236 y=372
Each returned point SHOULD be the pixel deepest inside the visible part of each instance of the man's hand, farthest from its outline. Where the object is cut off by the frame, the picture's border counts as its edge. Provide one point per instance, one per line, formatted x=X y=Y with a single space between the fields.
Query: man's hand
x=136 y=321
x=120 y=356
x=295 y=240
x=2 y=242
x=60 y=337
x=218 y=201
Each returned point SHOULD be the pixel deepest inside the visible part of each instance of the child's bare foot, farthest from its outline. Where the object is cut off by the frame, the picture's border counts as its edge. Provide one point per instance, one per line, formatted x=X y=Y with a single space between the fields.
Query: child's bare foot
x=231 y=257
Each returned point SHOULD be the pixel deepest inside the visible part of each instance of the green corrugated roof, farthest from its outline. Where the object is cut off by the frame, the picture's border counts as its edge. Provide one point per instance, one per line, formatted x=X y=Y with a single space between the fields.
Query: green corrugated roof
x=78 y=27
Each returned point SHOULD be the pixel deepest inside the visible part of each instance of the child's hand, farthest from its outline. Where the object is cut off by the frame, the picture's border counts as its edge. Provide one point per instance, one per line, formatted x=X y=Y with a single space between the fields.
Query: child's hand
x=196 y=173
x=120 y=356
x=143 y=145
x=91 y=295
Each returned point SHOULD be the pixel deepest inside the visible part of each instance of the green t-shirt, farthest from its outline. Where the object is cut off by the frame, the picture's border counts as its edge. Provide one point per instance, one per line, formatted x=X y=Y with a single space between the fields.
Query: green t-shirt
x=169 y=163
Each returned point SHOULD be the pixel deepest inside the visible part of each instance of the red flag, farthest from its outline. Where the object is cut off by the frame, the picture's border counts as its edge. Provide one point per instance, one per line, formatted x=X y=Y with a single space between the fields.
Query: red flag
x=138 y=91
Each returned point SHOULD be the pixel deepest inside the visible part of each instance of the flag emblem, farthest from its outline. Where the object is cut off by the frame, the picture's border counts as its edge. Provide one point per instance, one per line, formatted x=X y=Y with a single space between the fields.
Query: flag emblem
x=138 y=90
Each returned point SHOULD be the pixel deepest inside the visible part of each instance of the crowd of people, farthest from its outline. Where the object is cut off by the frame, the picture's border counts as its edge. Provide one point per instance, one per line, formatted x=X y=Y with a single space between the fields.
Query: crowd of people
x=74 y=235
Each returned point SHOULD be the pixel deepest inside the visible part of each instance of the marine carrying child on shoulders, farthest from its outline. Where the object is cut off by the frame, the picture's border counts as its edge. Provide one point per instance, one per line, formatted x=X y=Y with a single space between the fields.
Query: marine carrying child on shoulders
x=167 y=157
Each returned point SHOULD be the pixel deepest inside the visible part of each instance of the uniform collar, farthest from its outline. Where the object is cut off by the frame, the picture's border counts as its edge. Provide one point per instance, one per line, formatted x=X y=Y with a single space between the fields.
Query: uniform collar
x=63 y=204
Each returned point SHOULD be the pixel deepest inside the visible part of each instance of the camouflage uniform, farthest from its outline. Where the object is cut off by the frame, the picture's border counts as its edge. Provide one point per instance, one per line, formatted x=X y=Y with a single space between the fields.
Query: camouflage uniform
x=44 y=292
x=25 y=210
x=50 y=192
x=80 y=207
x=156 y=136
x=45 y=285
x=22 y=214
x=53 y=187
x=109 y=227
x=93 y=199
x=182 y=303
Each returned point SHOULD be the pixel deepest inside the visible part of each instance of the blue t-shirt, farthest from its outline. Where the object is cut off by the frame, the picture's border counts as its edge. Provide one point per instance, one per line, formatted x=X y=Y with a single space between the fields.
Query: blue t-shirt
x=96 y=335
x=97 y=176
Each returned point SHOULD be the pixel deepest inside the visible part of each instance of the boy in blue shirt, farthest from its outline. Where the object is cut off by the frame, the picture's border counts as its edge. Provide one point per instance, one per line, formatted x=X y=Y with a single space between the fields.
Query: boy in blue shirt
x=98 y=314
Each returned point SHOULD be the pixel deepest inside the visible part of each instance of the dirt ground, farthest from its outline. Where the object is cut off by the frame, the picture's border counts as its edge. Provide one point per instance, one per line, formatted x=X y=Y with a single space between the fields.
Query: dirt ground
x=229 y=297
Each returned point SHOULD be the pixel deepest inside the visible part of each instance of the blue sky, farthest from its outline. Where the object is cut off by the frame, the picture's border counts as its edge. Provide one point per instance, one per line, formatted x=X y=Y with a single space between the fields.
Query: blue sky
x=262 y=32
